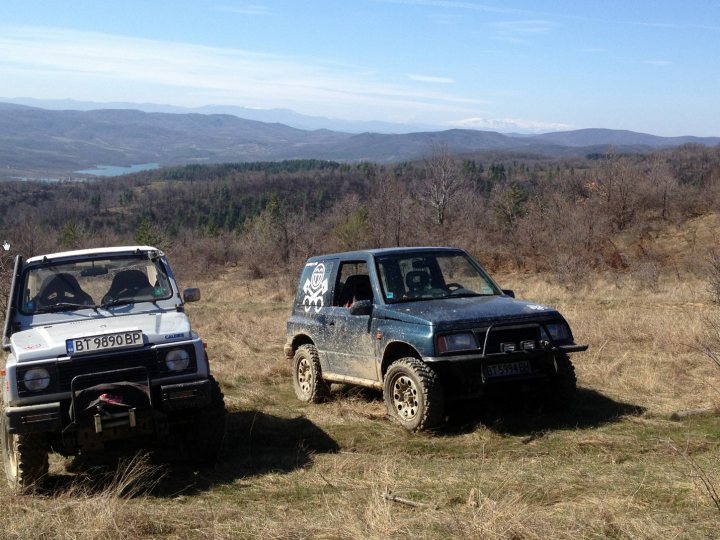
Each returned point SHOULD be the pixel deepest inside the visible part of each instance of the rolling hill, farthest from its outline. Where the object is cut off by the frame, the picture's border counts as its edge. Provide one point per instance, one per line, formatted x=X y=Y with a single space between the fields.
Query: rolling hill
x=35 y=141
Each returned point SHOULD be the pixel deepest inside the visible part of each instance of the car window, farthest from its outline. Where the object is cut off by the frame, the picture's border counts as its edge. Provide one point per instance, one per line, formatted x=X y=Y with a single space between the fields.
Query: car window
x=353 y=284
x=427 y=275
x=93 y=282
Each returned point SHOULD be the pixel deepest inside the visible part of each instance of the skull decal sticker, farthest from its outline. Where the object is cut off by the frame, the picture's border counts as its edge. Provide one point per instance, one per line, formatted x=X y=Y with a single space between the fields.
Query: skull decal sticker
x=314 y=288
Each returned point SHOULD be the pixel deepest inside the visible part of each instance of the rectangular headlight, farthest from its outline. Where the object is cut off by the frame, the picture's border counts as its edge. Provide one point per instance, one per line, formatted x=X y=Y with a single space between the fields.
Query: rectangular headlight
x=456 y=342
x=558 y=331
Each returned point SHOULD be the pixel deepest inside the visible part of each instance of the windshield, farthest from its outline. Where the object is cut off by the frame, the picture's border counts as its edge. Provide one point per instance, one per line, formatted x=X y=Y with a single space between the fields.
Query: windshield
x=93 y=283
x=427 y=275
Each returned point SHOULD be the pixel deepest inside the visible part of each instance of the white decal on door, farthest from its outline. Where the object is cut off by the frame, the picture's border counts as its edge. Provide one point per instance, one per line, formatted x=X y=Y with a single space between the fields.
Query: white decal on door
x=315 y=287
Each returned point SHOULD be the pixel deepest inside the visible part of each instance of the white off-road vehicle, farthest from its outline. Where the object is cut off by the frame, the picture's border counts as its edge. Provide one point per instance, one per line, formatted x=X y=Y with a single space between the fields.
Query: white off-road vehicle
x=101 y=355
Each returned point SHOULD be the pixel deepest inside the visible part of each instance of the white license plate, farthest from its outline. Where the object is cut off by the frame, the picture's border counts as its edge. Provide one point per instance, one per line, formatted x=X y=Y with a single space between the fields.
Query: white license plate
x=507 y=369
x=118 y=340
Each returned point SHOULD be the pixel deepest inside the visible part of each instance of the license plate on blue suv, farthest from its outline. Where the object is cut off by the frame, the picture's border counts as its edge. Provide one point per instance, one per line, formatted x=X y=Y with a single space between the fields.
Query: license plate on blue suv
x=104 y=342
x=508 y=369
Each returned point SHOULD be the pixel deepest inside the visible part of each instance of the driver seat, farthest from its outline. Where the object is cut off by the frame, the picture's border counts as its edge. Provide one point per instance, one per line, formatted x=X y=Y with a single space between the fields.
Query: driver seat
x=417 y=281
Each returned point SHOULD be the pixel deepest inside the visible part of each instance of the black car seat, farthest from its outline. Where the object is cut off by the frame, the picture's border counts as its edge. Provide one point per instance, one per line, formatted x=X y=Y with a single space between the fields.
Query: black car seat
x=61 y=288
x=417 y=281
x=356 y=288
x=127 y=284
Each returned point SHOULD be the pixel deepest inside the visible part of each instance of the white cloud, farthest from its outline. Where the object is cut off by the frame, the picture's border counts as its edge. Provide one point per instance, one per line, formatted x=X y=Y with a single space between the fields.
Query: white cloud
x=104 y=67
x=509 y=124
x=520 y=31
x=454 y=4
x=247 y=9
x=649 y=24
x=524 y=27
x=430 y=79
x=659 y=63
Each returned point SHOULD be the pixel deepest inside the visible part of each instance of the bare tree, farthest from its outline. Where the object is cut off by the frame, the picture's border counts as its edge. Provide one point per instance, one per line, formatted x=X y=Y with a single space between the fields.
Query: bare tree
x=443 y=183
x=619 y=184
x=390 y=208
x=664 y=182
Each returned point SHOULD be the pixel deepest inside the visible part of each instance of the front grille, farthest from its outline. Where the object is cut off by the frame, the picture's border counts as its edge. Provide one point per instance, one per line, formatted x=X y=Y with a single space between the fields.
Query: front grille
x=507 y=334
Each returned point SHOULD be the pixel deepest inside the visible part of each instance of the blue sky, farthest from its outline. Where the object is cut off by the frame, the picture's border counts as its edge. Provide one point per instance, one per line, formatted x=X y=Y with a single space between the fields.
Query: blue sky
x=650 y=66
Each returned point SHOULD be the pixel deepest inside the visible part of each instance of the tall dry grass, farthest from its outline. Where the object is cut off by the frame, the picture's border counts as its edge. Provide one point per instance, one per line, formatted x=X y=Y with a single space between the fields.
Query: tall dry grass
x=296 y=471
x=644 y=345
x=100 y=503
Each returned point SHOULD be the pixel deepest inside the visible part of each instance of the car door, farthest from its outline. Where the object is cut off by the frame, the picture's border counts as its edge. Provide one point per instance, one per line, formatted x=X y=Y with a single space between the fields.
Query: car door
x=350 y=344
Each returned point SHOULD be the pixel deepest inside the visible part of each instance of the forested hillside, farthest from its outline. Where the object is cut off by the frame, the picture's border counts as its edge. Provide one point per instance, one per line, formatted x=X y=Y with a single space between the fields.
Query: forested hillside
x=562 y=216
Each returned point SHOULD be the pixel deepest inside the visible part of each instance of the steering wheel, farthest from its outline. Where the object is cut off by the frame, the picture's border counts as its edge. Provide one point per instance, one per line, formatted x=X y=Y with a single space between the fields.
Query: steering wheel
x=55 y=294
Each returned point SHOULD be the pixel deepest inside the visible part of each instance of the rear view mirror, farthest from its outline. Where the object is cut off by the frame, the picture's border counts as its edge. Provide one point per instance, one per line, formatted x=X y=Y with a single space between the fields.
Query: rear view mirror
x=94 y=271
x=509 y=292
x=361 y=307
x=191 y=294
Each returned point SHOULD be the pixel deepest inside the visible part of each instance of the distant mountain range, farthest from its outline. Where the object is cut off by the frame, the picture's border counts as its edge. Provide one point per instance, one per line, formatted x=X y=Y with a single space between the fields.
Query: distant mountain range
x=273 y=116
x=37 y=142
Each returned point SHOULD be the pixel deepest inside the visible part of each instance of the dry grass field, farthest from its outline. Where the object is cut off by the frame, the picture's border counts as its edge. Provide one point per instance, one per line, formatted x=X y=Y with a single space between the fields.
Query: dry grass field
x=614 y=467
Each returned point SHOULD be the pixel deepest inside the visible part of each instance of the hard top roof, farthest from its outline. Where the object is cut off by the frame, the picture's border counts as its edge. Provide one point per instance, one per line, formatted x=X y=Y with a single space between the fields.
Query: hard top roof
x=347 y=255
x=92 y=252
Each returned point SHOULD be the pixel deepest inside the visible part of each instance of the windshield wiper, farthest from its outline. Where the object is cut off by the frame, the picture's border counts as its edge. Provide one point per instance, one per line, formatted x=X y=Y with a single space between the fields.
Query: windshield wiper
x=414 y=299
x=117 y=302
x=62 y=306
x=124 y=301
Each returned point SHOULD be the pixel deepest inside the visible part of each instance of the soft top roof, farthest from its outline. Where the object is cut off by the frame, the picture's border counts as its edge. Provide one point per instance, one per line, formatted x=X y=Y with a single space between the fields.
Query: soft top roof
x=92 y=252
x=384 y=251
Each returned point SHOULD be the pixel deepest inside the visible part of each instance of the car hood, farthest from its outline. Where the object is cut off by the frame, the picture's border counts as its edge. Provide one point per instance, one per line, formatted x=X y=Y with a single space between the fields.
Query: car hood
x=48 y=341
x=466 y=312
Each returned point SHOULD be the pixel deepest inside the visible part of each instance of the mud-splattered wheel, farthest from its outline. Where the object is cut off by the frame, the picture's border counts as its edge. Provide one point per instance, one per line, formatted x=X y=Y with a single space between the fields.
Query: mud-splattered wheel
x=405 y=398
x=307 y=375
x=25 y=458
x=413 y=394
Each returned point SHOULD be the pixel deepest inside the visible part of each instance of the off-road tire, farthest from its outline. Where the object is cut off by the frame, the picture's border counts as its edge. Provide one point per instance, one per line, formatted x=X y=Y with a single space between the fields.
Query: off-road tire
x=25 y=458
x=413 y=394
x=208 y=431
x=308 y=383
x=560 y=392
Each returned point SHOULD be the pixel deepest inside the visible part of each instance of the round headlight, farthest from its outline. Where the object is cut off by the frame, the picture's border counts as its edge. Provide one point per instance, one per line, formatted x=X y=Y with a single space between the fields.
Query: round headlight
x=36 y=379
x=177 y=360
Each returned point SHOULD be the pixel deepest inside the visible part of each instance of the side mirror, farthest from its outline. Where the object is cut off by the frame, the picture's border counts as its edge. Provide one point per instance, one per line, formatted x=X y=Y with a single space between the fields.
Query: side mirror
x=509 y=292
x=361 y=307
x=191 y=294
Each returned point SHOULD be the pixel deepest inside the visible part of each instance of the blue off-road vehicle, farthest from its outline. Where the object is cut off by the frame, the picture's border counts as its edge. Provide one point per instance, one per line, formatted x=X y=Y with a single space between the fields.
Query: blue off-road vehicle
x=426 y=326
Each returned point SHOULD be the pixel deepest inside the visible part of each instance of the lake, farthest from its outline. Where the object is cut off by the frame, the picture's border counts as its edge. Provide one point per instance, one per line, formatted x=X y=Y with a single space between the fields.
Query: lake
x=114 y=170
